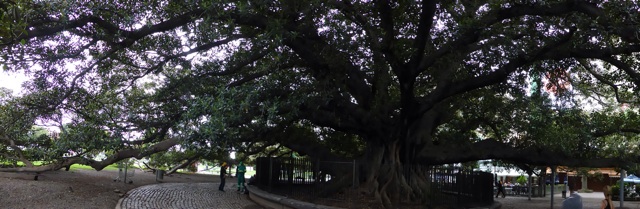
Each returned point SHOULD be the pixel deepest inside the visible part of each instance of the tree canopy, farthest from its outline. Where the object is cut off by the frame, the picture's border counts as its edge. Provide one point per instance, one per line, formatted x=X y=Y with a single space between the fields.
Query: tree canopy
x=394 y=83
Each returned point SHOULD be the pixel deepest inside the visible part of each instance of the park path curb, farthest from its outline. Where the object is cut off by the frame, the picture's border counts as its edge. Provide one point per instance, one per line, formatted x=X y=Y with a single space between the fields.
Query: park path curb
x=269 y=200
x=119 y=203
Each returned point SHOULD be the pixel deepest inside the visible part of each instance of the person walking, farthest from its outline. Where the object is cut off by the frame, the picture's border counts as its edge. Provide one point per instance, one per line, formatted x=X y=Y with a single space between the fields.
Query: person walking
x=500 y=189
x=241 y=169
x=607 y=203
x=574 y=201
x=223 y=175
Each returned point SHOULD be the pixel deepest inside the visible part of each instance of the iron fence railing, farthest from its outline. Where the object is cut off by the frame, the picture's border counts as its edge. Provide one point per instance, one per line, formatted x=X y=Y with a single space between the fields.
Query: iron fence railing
x=306 y=179
x=459 y=186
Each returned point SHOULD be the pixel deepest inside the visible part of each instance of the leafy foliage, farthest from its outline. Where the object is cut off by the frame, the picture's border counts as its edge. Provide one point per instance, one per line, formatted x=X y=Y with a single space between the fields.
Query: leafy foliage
x=390 y=82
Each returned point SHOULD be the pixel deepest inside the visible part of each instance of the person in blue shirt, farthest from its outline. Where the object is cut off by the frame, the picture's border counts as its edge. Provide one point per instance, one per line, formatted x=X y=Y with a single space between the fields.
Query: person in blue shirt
x=574 y=201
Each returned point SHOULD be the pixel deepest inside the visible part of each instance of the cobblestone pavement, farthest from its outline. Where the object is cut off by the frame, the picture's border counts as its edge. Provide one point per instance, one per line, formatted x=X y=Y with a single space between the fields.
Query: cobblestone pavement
x=206 y=195
x=589 y=201
x=185 y=195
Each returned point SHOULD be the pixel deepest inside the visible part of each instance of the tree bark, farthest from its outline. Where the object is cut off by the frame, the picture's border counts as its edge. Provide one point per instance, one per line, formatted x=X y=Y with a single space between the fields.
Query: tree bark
x=390 y=179
x=99 y=165
x=182 y=165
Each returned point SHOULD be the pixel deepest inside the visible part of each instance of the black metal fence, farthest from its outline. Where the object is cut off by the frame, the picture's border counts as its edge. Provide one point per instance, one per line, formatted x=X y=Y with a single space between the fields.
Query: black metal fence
x=460 y=186
x=297 y=178
x=305 y=179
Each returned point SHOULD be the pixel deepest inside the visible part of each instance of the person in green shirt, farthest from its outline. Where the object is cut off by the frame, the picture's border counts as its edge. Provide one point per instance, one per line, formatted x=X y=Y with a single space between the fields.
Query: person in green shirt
x=241 y=169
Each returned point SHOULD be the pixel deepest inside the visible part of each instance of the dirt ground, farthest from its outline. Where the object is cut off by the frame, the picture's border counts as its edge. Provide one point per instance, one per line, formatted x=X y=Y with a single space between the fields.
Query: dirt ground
x=96 y=189
x=79 y=188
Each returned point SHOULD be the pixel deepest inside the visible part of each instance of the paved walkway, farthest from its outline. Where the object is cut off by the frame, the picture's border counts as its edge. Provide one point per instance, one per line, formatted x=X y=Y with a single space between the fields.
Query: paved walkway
x=185 y=195
x=206 y=195
x=589 y=201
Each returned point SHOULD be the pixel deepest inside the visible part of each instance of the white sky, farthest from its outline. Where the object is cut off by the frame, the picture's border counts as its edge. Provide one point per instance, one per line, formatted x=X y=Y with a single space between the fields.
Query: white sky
x=12 y=81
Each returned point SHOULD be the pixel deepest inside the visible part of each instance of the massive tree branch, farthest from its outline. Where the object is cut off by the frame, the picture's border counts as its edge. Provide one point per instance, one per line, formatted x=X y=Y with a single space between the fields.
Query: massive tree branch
x=196 y=49
x=327 y=67
x=130 y=36
x=313 y=149
x=237 y=67
x=380 y=81
x=491 y=149
x=446 y=89
x=596 y=53
x=99 y=165
x=340 y=115
x=602 y=79
x=423 y=34
x=496 y=16
x=635 y=76
x=373 y=36
x=602 y=133
x=12 y=144
x=184 y=164
x=318 y=54
x=250 y=150
x=385 y=11
x=156 y=135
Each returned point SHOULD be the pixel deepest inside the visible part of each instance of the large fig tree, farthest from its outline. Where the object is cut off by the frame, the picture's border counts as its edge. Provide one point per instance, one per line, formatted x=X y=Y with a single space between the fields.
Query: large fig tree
x=399 y=83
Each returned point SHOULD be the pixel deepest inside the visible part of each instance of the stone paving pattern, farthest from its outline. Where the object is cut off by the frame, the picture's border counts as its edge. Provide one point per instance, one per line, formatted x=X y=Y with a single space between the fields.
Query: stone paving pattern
x=589 y=201
x=206 y=195
x=185 y=195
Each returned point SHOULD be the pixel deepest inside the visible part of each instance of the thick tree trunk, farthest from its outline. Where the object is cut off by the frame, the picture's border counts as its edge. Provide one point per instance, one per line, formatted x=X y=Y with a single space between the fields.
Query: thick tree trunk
x=390 y=180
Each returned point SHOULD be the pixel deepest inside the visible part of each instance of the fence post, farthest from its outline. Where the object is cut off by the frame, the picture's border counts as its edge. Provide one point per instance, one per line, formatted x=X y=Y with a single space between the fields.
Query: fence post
x=354 y=174
x=290 y=175
x=553 y=183
x=270 y=174
x=623 y=175
x=316 y=170
x=125 y=172
x=458 y=184
x=529 y=184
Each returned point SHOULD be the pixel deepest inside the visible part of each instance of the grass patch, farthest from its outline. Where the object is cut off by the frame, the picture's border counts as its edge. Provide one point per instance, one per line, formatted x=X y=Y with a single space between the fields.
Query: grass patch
x=21 y=164
x=80 y=167
x=248 y=174
x=112 y=167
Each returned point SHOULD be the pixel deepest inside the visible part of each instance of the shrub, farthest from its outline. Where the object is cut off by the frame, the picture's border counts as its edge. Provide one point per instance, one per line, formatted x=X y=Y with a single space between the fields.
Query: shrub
x=615 y=189
x=522 y=180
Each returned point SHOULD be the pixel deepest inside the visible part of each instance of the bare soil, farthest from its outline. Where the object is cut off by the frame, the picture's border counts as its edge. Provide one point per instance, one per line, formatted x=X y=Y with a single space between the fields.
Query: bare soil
x=78 y=188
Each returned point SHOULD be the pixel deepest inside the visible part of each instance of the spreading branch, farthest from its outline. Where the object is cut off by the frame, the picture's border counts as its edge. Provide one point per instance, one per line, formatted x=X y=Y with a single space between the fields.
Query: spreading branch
x=99 y=165
x=492 y=149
